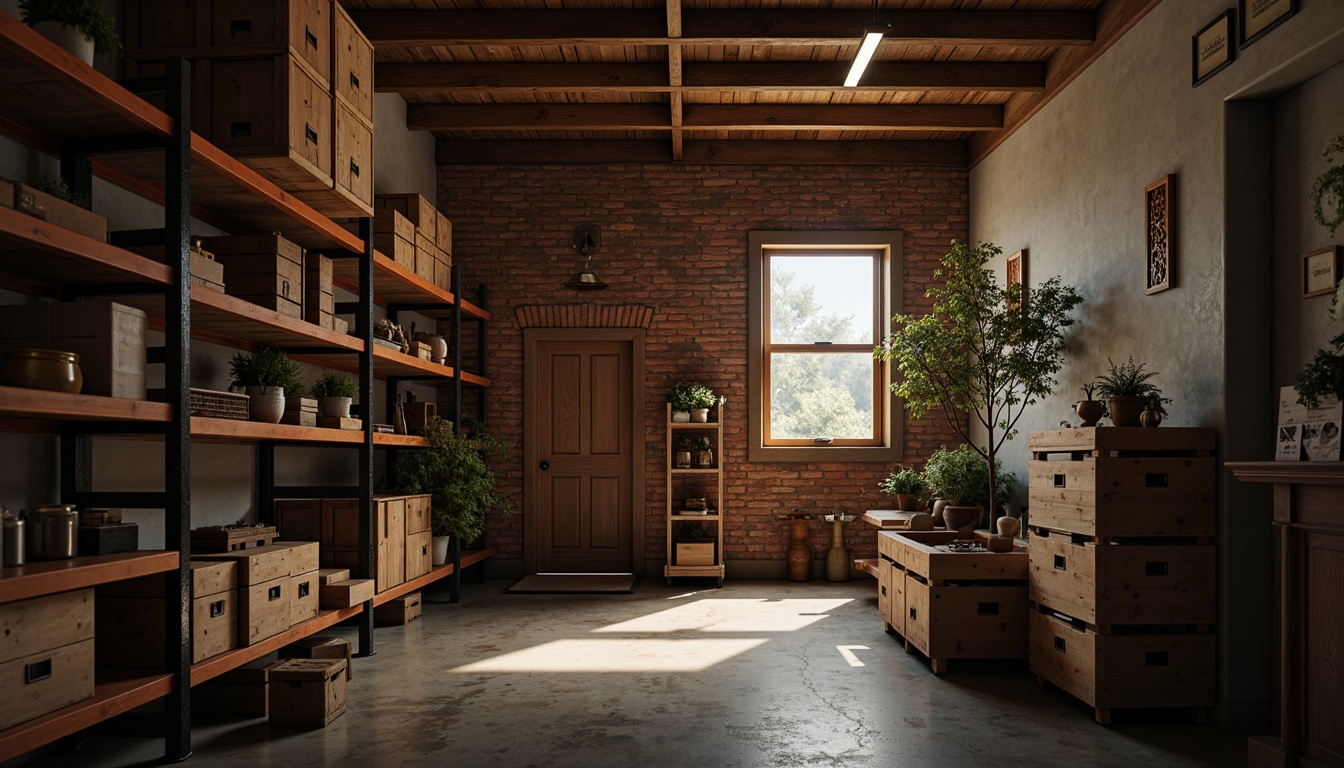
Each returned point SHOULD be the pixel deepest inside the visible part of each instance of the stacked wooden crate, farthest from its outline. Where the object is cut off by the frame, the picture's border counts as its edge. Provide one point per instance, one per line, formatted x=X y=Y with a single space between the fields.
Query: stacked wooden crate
x=402 y=542
x=319 y=295
x=287 y=87
x=129 y=616
x=266 y=270
x=430 y=231
x=1122 y=566
x=47 y=654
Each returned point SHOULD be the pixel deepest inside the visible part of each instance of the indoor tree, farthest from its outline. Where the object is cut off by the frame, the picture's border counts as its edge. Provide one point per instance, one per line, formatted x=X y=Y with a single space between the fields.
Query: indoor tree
x=985 y=350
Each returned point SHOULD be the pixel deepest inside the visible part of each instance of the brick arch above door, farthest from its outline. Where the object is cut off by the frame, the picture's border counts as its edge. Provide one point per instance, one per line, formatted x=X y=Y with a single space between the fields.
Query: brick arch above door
x=585 y=316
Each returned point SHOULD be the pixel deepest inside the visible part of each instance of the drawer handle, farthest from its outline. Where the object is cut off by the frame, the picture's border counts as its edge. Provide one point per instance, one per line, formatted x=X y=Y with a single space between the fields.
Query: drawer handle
x=1155 y=658
x=310 y=133
x=1060 y=480
x=240 y=130
x=1059 y=563
x=37 y=671
x=240 y=26
x=273 y=593
x=424 y=550
x=1155 y=480
x=1059 y=644
x=987 y=609
x=354 y=167
x=304 y=588
x=1155 y=569
x=217 y=609
x=354 y=80
x=284 y=288
x=310 y=37
x=884 y=591
x=912 y=613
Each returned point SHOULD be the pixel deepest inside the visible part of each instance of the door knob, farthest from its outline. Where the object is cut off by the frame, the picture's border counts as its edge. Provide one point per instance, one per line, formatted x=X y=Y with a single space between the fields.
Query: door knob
x=545 y=465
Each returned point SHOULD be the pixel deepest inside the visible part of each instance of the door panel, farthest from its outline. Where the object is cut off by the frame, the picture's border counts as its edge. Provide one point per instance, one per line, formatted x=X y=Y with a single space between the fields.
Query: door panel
x=606 y=495
x=606 y=378
x=565 y=386
x=565 y=518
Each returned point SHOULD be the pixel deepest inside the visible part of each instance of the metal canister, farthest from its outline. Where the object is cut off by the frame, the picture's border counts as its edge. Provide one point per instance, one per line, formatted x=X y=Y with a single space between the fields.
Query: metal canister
x=13 y=539
x=51 y=532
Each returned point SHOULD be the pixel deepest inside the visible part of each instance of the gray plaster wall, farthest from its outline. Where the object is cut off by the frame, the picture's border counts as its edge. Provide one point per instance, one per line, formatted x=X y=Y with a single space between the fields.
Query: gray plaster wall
x=1069 y=187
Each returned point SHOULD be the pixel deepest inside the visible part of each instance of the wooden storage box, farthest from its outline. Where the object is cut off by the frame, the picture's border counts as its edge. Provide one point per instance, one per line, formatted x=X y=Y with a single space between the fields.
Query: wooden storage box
x=303 y=556
x=353 y=169
x=130 y=616
x=352 y=66
x=1105 y=585
x=426 y=256
x=108 y=337
x=265 y=590
x=695 y=553
x=307 y=693
x=393 y=236
x=321 y=647
x=256 y=565
x=443 y=235
x=300 y=412
x=340 y=537
x=1123 y=481
x=420 y=212
x=327 y=576
x=108 y=539
x=46 y=654
x=319 y=295
x=267 y=270
x=1121 y=671
x=398 y=611
x=55 y=211
x=242 y=691
x=419 y=554
x=299 y=519
x=303 y=597
x=346 y=593
x=443 y=271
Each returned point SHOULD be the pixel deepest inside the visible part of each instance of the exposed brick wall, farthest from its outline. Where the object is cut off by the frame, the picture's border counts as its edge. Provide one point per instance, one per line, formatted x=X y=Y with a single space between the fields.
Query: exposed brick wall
x=674 y=238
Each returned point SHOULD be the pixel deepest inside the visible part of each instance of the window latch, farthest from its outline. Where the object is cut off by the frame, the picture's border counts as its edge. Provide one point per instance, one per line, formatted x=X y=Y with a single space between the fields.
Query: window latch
x=823 y=342
x=822 y=440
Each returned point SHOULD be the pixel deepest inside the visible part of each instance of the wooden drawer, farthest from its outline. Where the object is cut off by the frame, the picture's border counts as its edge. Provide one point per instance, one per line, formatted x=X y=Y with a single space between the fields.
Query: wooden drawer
x=920 y=554
x=304 y=597
x=419 y=554
x=35 y=626
x=353 y=66
x=1124 y=496
x=884 y=568
x=46 y=680
x=966 y=622
x=418 y=513
x=889 y=547
x=1105 y=585
x=265 y=610
x=353 y=170
x=1114 y=671
x=304 y=27
x=274 y=116
x=695 y=554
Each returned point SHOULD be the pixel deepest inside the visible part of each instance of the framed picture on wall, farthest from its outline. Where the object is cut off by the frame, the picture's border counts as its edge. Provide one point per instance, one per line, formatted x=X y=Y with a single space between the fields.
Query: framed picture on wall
x=1160 y=260
x=1015 y=273
x=1320 y=271
x=1211 y=49
x=1259 y=17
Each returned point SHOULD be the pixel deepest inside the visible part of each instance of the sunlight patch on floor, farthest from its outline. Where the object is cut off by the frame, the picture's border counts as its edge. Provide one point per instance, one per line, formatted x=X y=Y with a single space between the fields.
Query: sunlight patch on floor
x=627 y=655
x=732 y=615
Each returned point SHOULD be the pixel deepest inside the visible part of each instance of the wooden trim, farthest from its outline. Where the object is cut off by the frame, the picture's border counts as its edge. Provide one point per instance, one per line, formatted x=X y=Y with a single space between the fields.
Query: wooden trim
x=844 y=117
x=585 y=316
x=22 y=582
x=542 y=152
x=219 y=664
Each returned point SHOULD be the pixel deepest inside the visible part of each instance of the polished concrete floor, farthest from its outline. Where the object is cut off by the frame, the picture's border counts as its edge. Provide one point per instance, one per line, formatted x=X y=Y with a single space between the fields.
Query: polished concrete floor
x=755 y=674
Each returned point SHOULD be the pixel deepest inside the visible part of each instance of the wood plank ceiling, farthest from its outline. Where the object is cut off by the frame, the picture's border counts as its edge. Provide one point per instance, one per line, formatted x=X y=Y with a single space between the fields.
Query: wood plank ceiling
x=729 y=81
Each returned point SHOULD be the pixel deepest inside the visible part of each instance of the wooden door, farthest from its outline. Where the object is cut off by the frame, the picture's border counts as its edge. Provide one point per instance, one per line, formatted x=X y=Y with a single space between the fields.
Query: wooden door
x=583 y=450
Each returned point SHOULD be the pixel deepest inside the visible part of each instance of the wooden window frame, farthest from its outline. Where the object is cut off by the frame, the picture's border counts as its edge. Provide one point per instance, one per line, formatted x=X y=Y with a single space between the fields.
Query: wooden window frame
x=888 y=445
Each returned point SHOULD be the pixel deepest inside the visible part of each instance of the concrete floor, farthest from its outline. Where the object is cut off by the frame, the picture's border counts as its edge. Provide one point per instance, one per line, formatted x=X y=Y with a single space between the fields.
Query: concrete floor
x=755 y=674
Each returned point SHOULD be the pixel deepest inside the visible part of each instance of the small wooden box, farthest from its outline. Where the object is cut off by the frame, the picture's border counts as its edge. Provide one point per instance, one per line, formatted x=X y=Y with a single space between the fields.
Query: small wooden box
x=266 y=608
x=303 y=597
x=108 y=337
x=346 y=594
x=353 y=169
x=393 y=236
x=418 y=513
x=264 y=270
x=695 y=553
x=58 y=212
x=327 y=576
x=419 y=554
x=443 y=234
x=398 y=611
x=419 y=211
x=352 y=66
x=303 y=556
x=443 y=271
x=46 y=654
x=340 y=422
x=1105 y=585
x=425 y=256
x=258 y=565
x=307 y=693
x=321 y=647
x=241 y=691
x=108 y=539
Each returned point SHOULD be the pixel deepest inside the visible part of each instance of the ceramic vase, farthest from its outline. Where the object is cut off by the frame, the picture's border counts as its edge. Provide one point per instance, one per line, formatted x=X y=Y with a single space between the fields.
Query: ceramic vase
x=334 y=406
x=838 y=564
x=799 y=554
x=440 y=549
x=69 y=38
x=1150 y=418
x=961 y=519
x=266 y=404
x=1090 y=411
x=681 y=417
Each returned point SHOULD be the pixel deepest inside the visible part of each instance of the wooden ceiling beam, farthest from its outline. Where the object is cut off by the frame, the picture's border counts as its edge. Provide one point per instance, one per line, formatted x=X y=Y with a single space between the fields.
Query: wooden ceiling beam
x=953 y=153
x=537 y=117
x=648 y=26
x=943 y=76
x=844 y=117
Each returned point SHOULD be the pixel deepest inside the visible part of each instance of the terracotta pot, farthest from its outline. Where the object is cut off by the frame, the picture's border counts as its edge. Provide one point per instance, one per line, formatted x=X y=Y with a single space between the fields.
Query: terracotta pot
x=1090 y=411
x=961 y=519
x=1125 y=411
x=48 y=369
x=69 y=38
x=799 y=554
x=266 y=404
x=938 y=506
x=334 y=406
x=907 y=502
x=1150 y=418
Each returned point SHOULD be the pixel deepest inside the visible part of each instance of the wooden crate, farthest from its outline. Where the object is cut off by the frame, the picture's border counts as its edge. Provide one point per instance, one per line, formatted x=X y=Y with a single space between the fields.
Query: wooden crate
x=340 y=538
x=304 y=595
x=266 y=608
x=393 y=236
x=272 y=114
x=419 y=554
x=398 y=611
x=303 y=556
x=346 y=593
x=257 y=565
x=108 y=337
x=352 y=66
x=443 y=234
x=420 y=212
x=55 y=211
x=443 y=271
x=46 y=654
x=230 y=538
x=318 y=292
x=307 y=693
x=130 y=616
x=321 y=647
x=1106 y=585
x=352 y=170
x=695 y=553
x=1123 y=671
x=426 y=258
x=299 y=519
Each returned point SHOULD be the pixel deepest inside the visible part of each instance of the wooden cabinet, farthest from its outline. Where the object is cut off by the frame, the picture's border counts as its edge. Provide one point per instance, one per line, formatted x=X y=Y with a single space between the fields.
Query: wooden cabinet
x=1122 y=566
x=702 y=556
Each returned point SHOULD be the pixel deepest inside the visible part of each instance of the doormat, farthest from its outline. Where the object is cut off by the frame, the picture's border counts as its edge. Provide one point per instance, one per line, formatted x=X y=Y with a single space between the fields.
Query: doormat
x=576 y=584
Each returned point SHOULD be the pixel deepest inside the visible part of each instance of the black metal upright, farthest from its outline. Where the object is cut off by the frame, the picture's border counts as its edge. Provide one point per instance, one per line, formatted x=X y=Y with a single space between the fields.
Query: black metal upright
x=455 y=285
x=364 y=329
x=177 y=381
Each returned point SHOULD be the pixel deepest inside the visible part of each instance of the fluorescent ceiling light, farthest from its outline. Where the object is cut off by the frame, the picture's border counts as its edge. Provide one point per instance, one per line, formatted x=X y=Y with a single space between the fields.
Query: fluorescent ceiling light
x=872 y=35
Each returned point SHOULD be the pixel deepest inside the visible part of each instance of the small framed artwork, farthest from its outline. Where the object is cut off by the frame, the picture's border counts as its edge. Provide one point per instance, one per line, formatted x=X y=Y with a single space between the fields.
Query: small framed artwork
x=1212 y=49
x=1015 y=273
x=1259 y=17
x=1320 y=271
x=1161 y=261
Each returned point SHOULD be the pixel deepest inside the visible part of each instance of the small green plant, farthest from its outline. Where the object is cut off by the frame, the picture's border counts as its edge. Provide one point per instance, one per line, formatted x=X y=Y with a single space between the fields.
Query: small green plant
x=1328 y=190
x=85 y=15
x=266 y=367
x=58 y=189
x=453 y=469
x=1156 y=402
x=961 y=476
x=1128 y=379
x=701 y=444
x=686 y=444
x=689 y=396
x=332 y=384
x=904 y=482
x=1089 y=391
x=1324 y=376
x=691 y=531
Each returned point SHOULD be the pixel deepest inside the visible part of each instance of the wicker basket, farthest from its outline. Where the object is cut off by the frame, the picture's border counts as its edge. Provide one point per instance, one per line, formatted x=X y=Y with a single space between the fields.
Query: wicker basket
x=211 y=404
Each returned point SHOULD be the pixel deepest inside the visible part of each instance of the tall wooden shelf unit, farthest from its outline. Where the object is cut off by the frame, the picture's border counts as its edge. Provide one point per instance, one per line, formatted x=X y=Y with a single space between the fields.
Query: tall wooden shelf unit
x=695 y=482
x=56 y=104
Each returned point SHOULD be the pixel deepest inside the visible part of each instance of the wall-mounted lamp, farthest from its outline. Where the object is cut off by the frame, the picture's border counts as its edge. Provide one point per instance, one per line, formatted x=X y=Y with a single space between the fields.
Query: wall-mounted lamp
x=587 y=238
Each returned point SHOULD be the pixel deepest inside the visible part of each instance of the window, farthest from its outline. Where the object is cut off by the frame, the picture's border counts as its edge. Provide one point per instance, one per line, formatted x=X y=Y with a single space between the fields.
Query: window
x=820 y=303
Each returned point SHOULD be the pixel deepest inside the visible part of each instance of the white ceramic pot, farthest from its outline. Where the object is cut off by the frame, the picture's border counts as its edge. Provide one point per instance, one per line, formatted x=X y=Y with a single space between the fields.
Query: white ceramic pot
x=700 y=415
x=681 y=417
x=69 y=38
x=266 y=404
x=441 y=549
x=334 y=407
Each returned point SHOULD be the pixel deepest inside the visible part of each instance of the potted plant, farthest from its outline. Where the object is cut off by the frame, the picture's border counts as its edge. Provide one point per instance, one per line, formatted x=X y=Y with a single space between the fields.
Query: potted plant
x=79 y=26
x=961 y=477
x=1090 y=409
x=452 y=469
x=1323 y=376
x=334 y=392
x=682 y=460
x=690 y=401
x=1127 y=390
x=982 y=351
x=1154 y=410
x=704 y=455
x=905 y=484
x=266 y=375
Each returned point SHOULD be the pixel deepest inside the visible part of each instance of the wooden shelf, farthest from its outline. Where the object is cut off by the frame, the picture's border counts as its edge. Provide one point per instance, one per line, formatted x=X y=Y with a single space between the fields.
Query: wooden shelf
x=711 y=471
x=395 y=284
x=238 y=431
x=675 y=516
x=21 y=582
x=399 y=441
x=470 y=557
x=50 y=256
x=869 y=566
x=220 y=663
x=21 y=402
x=703 y=425
x=115 y=692
x=693 y=570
